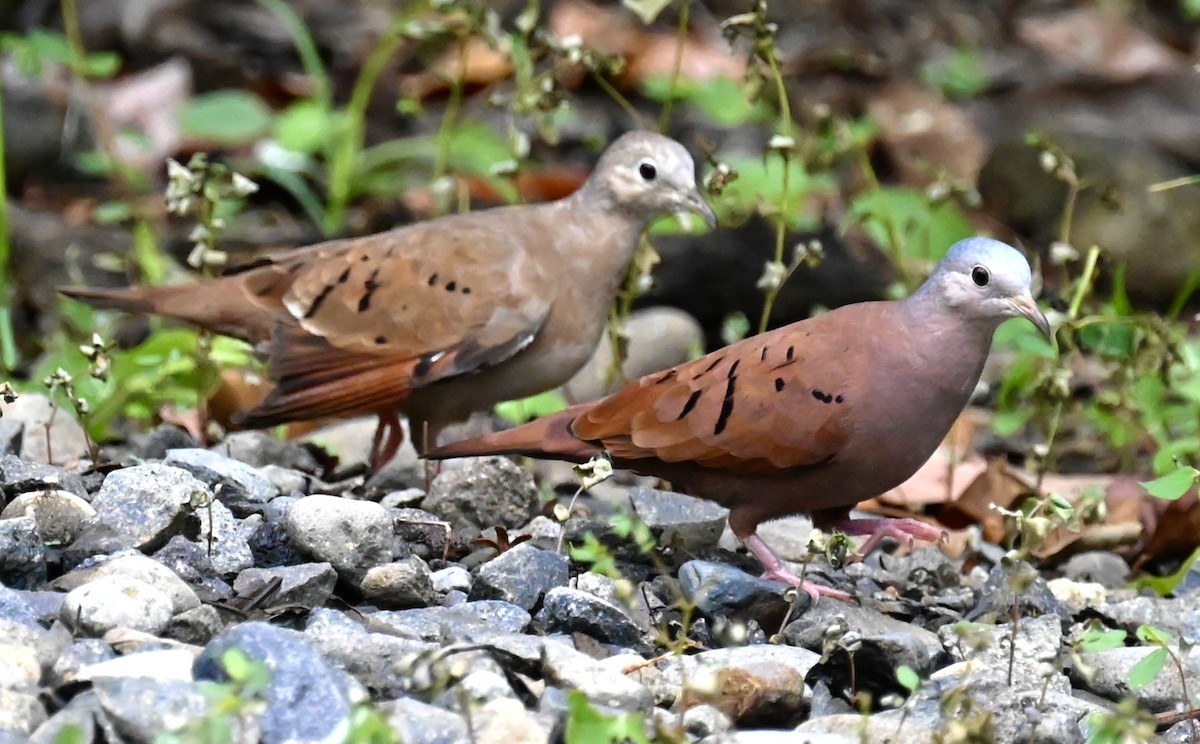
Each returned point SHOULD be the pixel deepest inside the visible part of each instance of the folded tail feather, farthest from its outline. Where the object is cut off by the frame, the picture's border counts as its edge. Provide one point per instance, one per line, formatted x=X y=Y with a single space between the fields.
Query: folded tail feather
x=549 y=436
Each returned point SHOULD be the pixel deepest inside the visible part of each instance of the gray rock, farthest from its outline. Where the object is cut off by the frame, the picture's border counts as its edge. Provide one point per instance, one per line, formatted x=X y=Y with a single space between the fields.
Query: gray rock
x=404 y=497
x=307 y=698
x=687 y=523
x=521 y=575
x=415 y=722
x=189 y=561
x=144 y=505
x=848 y=728
x=476 y=688
x=20 y=714
x=399 y=584
x=1109 y=677
x=897 y=643
x=22 y=554
x=1036 y=651
x=718 y=589
x=466 y=622
x=15 y=608
x=477 y=493
x=506 y=720
x=19 y=476
x=138 y=567
x=997 y=597
x=753 y=685
x=80 y=655
x=308 y=585
x=157 y=663
x=196 y=626
x=565 y=667
x=142 y=708
x=221 y=539
x=350 y=535
x=59 y=515
x=451 y=578
x=1100 y=566
x=12 y=436
x=116 y=602
x=236 y=484
x=154 y=444
x=704 y=720
x=79 y=716
x=1120 y=610
x=374 y=659
x=566 y=610
x=259 y=449
x=623 y=593
x=286 y=481
x=52 y=434
x=45 y=604
x=420 y=533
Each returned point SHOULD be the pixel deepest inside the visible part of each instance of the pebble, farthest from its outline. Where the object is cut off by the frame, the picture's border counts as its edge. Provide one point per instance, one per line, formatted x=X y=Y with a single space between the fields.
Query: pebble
x=352 y=536
x=474 y=494
x=521 y=575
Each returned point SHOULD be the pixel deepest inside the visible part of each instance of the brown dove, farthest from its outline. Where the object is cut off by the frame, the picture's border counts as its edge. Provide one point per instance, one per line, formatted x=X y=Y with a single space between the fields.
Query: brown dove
x=441 y=318
x=811 y=417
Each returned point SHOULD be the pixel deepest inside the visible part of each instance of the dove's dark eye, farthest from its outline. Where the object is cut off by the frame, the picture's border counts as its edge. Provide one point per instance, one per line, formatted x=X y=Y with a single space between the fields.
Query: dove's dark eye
x=980 y=276
x=647 y=170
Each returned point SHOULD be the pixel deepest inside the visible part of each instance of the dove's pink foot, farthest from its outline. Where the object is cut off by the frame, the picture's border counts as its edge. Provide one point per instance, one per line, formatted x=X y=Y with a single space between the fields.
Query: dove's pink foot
x=389 y=435
x=779 y=572
x=904 y=530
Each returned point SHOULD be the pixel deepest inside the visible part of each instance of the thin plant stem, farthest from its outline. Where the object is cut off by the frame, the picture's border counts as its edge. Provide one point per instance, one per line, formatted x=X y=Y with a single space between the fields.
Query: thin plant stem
x=664 y=119
x=8 y=346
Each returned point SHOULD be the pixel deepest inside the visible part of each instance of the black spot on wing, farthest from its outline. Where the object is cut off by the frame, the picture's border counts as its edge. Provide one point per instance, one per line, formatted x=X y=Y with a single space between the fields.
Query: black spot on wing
x=665 y=377
x=726 y=406
x=791 y=353
x=692 y=400
x=825 y=397
x=369 y=288
x=779 y=384
x=324 y=293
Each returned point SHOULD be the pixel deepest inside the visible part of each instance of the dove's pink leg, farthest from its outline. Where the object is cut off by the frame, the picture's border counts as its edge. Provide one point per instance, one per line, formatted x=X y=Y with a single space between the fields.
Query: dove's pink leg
x=905 y=530
x=776 y=570
x=389 y=435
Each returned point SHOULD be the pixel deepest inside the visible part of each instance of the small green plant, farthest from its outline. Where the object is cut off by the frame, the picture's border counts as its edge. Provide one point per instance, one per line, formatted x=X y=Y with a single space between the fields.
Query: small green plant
x=1128 y=724
x=586 y=725
x=232 y=704
x=959 y=76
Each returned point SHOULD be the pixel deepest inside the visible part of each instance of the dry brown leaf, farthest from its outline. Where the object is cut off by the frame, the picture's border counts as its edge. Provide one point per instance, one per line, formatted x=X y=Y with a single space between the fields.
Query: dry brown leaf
x=704 y=57
x=926 y=135
x=475 y=63
x=1098 y=42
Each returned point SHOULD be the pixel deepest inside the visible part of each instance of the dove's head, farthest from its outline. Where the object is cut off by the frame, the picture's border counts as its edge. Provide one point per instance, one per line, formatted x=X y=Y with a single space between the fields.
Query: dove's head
x=985 y=279
x=648 y=175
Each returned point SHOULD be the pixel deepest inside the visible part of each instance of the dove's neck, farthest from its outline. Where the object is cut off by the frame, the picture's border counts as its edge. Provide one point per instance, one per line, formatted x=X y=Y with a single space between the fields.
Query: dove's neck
x=947 y=347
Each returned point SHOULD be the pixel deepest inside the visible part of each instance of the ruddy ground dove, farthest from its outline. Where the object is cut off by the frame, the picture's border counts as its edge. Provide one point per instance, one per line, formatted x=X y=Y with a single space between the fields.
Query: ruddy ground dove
x=441 y=318
x=812 y=417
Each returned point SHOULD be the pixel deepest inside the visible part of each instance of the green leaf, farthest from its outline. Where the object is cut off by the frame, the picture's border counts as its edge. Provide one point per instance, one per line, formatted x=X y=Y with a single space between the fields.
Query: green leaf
x=229 y=117
x=646 y=10
x=306 y=126
x=1164 y=585
x=586 y=725
x=1144 y=672
x=1172 y=485
x=958 y=76
x=908 y=677
x=70 y=734
x=905 y=220
x=1102 y=639
x=1153 y=636
x=722 y=100
x=102 y=64
x=527 y=409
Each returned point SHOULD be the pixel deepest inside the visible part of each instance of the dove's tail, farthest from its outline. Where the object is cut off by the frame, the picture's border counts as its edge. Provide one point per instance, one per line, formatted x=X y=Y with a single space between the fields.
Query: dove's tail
x=548 y=437
x=209 y=304
x=130 y=300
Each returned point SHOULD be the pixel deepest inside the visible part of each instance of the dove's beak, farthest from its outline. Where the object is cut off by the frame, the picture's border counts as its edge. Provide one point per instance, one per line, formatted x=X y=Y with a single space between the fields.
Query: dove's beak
x=1027 y=308
x=693 y=202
